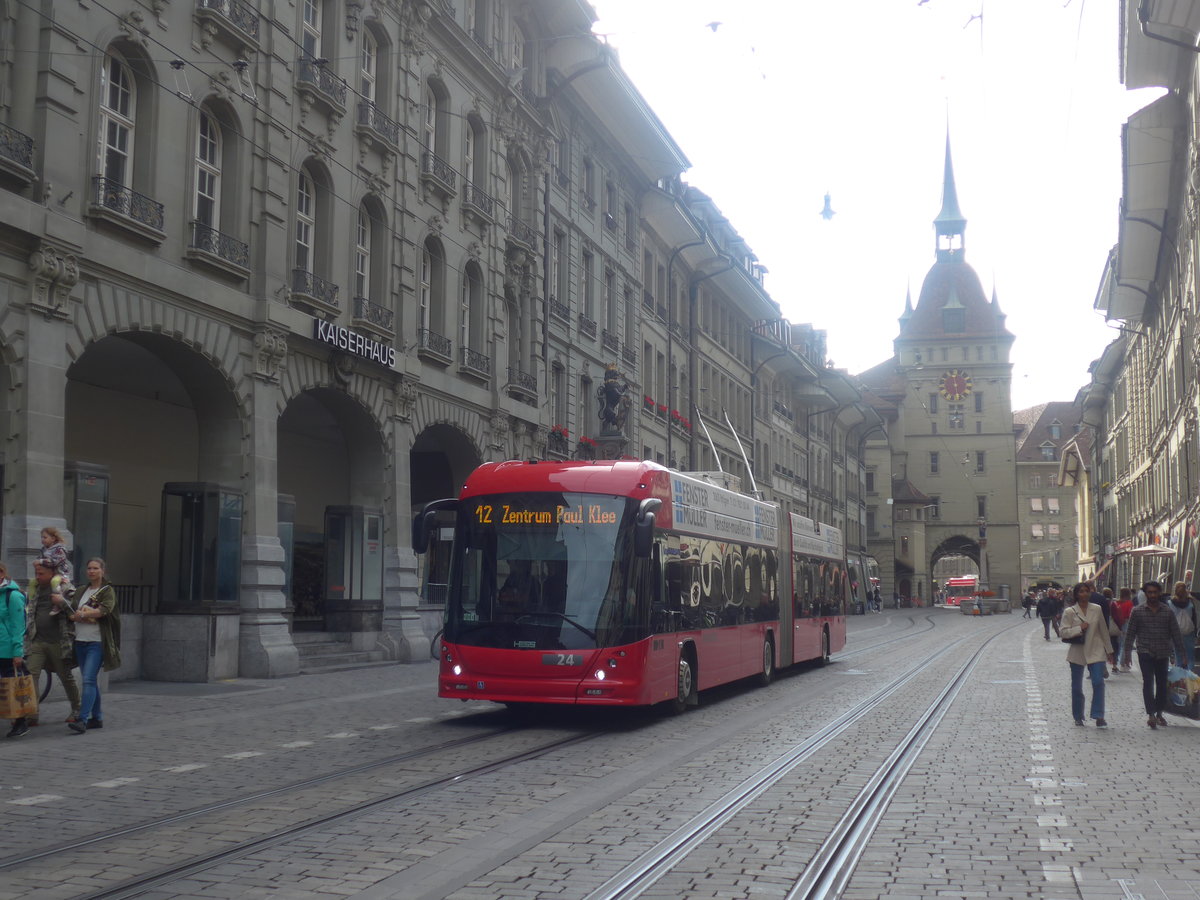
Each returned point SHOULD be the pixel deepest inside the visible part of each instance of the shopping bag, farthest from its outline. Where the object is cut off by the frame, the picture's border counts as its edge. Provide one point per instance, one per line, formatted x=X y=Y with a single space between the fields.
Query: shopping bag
x=18 y=697
x=1183 y=693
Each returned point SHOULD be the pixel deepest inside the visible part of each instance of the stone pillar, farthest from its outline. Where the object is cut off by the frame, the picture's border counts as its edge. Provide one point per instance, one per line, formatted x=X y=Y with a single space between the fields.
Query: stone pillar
x=403 y=637
x=37 y=415
x=265 y=647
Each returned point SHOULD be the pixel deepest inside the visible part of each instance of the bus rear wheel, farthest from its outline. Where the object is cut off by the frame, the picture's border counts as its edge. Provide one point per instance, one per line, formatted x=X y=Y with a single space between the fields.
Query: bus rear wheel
x=825 y=654
x=685 y=687
x=767 y=675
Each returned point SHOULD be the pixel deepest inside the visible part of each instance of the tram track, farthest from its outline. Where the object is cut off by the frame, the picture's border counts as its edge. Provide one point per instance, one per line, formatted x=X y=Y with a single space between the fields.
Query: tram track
x=234 y=848
x=827 y=874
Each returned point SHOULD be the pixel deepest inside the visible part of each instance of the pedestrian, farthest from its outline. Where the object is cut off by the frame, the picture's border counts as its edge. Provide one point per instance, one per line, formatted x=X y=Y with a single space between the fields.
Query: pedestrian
x=1085 y=619
x=1046 y=611
x=1122 y=609
x=1184 y=608
x=1027 y=603
x=54 y=550
x=97 y=642
x=12 y=637
x=1153 y=631
x=50 y=634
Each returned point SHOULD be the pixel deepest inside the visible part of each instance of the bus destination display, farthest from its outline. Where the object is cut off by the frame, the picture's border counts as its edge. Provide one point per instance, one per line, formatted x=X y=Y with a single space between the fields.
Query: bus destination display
x=505 y=514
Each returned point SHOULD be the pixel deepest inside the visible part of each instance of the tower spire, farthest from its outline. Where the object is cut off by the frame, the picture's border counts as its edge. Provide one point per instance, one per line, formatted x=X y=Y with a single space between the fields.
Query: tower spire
x=950 y=224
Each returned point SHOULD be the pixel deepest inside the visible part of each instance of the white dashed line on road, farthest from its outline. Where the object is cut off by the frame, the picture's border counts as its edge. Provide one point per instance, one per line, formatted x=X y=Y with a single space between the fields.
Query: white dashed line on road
x=186 y=767
x=115 y=782
x=382 y=727
x=296 y=745
x=36 y=799
x=419 y=719
x=342 y=735
x=245 y=754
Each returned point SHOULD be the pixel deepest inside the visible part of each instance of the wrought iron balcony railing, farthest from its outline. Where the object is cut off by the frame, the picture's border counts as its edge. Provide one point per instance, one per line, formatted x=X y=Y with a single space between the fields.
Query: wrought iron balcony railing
x=371 y=118
x=373 y=314
x=587 y=326
x=629 y=354
x=477 y=199
x=432 y=342
x=435 y=168
x=128 y=203
x=648 y=300
x=522 y=380
x=237 y=13
x=16 y=147
x=559 y=309
x=313 y=287
x=315 y=75
x=520 y=232
x=207 y=239
x=474 y=363
x=609 y=341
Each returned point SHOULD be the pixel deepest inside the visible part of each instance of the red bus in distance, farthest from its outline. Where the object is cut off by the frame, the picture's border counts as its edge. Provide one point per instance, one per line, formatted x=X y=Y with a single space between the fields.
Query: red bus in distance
x=623 y=583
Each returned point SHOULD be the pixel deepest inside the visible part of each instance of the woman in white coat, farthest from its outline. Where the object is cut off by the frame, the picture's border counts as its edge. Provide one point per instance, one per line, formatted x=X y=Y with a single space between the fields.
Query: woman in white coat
x=1086 y=620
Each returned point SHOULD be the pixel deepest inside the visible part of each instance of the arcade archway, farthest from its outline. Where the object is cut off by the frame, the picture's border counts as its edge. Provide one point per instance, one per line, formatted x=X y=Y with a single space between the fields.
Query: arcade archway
x=441 y=459
x=331 y=494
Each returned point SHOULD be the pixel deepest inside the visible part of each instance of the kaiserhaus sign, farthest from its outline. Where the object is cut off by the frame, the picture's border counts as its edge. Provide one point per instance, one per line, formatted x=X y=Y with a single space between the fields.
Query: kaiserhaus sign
x=352 y=342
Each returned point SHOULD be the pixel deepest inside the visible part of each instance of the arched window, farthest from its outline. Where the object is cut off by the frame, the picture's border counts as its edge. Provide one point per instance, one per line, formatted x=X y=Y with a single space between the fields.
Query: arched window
x=362 y=254
x=118 y=104
x=310 y=31
x=207 y=204
x=306 y=221
x=368 y=66
x=431 y=290
x=471 y=314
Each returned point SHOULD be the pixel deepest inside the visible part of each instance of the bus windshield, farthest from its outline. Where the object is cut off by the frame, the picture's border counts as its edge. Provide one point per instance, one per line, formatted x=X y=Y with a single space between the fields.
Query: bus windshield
x=544 y=571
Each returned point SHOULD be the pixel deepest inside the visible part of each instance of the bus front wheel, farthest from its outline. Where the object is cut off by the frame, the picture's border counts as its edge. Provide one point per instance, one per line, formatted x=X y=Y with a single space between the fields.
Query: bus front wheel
x=824 y=660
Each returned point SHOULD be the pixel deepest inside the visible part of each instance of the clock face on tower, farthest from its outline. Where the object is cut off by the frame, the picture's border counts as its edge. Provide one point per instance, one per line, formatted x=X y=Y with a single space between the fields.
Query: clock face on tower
x=955 y=384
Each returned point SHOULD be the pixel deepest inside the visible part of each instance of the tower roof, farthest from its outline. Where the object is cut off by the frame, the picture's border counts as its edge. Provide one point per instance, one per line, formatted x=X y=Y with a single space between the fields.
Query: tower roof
x=950 y=220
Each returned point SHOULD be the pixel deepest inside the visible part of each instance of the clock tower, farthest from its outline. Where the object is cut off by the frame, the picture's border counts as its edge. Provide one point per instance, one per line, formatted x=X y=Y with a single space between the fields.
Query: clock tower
x=946 y=396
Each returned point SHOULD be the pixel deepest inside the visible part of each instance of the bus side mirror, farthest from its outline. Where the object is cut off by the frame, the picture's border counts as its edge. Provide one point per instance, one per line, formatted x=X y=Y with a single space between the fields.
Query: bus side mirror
x=425 y=523
x=643 y=527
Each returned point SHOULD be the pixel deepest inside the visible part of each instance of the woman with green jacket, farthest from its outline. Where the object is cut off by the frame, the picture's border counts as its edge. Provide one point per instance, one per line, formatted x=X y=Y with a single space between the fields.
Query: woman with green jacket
x=97 y=641
x=12 y=636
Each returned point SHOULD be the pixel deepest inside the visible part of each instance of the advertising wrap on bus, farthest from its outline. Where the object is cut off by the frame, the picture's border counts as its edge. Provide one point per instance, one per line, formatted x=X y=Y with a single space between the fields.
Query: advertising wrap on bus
x=625 y=583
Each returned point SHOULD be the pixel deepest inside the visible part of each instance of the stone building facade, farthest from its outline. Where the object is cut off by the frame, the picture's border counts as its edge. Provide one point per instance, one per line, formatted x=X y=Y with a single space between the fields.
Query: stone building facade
x=1045 y=503
x=1143 y=400
x=272 y=275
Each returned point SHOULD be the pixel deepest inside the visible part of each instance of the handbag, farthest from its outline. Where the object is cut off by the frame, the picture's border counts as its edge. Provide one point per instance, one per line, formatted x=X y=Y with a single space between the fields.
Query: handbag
x=1078 y=639
x=18 y=697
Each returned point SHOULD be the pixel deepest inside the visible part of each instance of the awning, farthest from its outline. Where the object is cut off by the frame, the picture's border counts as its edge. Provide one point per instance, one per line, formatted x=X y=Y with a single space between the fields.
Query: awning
x=1152 y=550
x=1149 y=148
x=1147 y=60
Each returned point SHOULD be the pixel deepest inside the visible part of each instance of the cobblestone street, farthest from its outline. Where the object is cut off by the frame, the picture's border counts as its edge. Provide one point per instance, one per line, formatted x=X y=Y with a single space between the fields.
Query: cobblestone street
x=1008 y=798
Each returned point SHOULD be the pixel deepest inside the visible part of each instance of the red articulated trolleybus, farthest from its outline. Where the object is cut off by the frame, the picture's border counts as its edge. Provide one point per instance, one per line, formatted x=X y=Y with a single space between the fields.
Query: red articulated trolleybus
x=623 y=583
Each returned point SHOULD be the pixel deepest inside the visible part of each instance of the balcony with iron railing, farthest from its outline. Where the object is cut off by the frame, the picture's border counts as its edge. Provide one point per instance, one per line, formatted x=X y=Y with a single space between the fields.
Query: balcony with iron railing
x=313 y=75
x=610 y=341
x=587 y=326
x=521 y=385
x=478 y=202
x=648 y=300
x=559 y=310
x=219 y=250
x=127 y=208
x=16 y=154
x=315 y=291
x=433 y=347
x=438 y=174
x=475 y=364
x=629 y=354
x=373 y=124
x=235 y=20
x=372 y=315
x=521 y=234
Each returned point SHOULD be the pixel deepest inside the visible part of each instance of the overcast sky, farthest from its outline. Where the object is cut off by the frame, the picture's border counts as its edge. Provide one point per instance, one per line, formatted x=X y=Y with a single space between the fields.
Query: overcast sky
x=784 y=100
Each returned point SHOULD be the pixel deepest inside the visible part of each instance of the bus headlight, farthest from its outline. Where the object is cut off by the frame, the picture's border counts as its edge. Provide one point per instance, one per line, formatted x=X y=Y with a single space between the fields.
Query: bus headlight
x=457 y=670
x=599 y=675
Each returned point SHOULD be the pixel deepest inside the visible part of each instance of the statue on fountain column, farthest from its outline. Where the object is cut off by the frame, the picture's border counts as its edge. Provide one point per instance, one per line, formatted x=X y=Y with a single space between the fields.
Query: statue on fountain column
x=613 y=395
